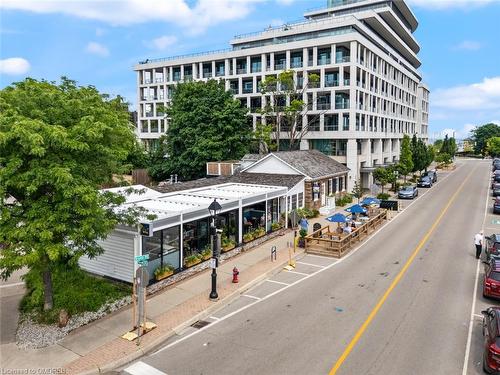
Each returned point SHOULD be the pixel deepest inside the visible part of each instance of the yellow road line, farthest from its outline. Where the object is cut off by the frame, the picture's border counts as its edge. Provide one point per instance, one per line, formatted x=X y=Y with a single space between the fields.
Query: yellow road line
x=395 y=282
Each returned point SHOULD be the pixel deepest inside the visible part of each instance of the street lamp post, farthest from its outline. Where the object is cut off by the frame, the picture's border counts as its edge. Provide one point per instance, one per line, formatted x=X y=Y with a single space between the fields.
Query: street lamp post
x=214 y=209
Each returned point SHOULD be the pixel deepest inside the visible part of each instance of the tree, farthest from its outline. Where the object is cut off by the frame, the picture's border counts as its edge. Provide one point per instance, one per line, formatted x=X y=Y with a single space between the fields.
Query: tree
x=481 y=134
x=284 y=107
x=430 y=155
x=452 y=147
x=382 y=176
x=405 y=164
x=58 y=144
x=493 y=146
x=357 y=190
x=437 y=144
x=418 y=154
x=444 y=158
x=206 y=124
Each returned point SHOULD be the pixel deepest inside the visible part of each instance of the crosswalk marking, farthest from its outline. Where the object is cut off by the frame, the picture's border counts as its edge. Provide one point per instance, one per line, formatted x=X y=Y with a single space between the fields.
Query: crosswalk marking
x=141 y=368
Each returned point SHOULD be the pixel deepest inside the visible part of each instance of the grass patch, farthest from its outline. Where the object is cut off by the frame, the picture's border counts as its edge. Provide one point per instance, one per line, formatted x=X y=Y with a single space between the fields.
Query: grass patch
x=74 y=291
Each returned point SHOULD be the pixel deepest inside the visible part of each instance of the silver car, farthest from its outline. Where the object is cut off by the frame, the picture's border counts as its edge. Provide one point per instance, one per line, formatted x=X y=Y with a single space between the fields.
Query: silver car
x=408 y=192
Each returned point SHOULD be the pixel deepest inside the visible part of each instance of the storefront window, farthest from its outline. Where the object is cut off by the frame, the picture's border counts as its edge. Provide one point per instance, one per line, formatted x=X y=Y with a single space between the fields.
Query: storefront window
x=254 y=217
x=272 y=213
x=316 y=191
x=162 y=248
x=196 y=236
x=228 y=222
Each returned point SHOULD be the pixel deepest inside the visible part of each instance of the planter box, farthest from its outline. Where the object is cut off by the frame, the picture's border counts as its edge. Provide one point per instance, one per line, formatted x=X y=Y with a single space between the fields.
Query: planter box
x=206 y=257
x=249 y=240
x=164 y=275
x=228 y=248
x=193 y=263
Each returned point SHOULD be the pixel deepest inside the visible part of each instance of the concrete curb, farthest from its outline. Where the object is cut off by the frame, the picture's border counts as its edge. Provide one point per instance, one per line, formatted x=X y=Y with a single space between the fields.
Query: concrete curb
x=156 y=344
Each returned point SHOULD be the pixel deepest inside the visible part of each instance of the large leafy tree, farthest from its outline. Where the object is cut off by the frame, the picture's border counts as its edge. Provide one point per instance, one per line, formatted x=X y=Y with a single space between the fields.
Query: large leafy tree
x=58 y=144
x=405 y=164
x=493 y=146
x=284 y=108
x=206 y=124
x=481 y=134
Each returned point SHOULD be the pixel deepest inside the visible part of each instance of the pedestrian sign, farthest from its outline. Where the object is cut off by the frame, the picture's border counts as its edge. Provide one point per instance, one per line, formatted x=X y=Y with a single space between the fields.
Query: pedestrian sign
x=142 y=259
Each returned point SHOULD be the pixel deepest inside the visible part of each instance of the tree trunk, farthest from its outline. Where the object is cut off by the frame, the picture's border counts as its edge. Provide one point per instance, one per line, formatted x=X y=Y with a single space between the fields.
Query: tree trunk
x=48 y=295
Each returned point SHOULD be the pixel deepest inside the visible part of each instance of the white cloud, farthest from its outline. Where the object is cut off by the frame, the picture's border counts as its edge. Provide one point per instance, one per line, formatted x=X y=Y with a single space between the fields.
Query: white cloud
x=162 y=42
x=14 y=66
x=468 y=45
x=285 y=2
x=126 y=12
x=445 y=4
x=484 y=95
x=459 y=133
x=99 y=31
x=97 y=49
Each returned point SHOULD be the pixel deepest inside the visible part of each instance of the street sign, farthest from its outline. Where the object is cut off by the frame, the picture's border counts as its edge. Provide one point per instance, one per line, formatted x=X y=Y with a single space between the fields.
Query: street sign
x=142 y=277
x=213 y=263
x=146 y=229
x=142 y=259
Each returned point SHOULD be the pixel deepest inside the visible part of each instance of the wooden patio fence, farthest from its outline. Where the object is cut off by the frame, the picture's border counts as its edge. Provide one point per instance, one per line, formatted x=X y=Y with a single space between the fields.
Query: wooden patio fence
x=326 y=242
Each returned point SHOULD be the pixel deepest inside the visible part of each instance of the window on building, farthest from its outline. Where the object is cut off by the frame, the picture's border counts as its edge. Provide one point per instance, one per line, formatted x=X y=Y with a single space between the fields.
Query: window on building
x=301 y=200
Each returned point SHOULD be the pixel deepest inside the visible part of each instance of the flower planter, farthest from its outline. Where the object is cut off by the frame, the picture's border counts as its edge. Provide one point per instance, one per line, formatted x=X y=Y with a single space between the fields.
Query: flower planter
x=192 y=263
x=247 y=240
x=206 y=257
x=228 y=248
x=163 y=275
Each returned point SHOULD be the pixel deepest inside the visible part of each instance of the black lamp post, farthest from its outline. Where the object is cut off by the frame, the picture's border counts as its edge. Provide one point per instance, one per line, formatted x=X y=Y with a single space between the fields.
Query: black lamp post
x=214 y=209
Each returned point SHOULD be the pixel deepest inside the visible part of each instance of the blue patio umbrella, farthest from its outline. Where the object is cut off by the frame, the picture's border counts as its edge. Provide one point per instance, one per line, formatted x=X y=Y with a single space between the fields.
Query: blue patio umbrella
x=356 y=209
x=337 y=218
x=369 y=201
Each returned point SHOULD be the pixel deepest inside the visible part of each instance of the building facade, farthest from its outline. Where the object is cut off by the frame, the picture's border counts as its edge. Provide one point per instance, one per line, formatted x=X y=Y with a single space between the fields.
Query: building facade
x=368 y=96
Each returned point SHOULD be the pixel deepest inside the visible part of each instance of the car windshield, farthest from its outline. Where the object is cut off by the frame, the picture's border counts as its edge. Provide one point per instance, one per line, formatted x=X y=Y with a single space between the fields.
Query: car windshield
x=407 y=188
x=425 y=178
x=495 y=276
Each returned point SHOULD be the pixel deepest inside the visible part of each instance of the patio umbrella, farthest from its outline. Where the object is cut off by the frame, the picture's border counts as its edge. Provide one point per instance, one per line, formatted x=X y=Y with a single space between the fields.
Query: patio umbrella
x=337 y=218
x=356 y=209
x=368 y=201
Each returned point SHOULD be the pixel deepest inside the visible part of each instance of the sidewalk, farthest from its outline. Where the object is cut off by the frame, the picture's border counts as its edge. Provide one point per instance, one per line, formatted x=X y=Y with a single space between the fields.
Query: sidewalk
x=99 y=346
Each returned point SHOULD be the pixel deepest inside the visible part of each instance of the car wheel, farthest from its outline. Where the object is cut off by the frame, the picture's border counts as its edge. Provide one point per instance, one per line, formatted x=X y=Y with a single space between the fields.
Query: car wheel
x=486 y=368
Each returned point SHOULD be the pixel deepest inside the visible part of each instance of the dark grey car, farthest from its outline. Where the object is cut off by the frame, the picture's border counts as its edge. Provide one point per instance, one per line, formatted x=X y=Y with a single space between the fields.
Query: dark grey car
x=432 y=175
x=408 y=192
x=424 y=181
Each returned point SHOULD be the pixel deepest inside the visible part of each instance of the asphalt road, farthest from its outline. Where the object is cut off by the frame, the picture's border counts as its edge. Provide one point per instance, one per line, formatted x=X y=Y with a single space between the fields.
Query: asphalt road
x=402 y=303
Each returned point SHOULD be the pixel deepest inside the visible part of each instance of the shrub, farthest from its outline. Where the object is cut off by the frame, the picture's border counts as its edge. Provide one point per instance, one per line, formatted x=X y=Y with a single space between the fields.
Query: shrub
x=74 y=291
x=247 y=237
x=207 y=252
x=342 y=201
x=315 y=213
x=192 y=258
x=302 y=233
x=383 y=196
x=275 y=226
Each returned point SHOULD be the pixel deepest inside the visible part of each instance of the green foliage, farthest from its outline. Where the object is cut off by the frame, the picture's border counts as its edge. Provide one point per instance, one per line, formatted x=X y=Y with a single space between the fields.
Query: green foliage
x=357 y=190
x=302 y=233
x=448 y=146
x=58 y=145
x=383 y=196
x=419 y=154
x=194 y=258
x=280 y=90
x=74 y=291
x=167 y=267
x=343 y=200
x=247 y=237
x=443 y=158
x=382 y=175
x=206 y=124
x=405 y=164
x=430 y=155
x=275 y=226
x=481 y=134
x=137 y=158
x=493 y=146
x=307 y=213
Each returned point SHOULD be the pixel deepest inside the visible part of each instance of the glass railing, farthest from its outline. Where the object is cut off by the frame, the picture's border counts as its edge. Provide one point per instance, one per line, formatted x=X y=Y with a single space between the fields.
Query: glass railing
x=219 y=73
x=147 y=80
x=342 y=59
x=241 y=70
x=188 y=77
x=159 y=80
x=323 y=106
x=331 y=83
x=207 y=74
x=296 y=64
x=279 y=66
x=347 y=81
x=247 y=90
x=256 y=68
x=176 y=77
x=324 y=61
x=342 y=105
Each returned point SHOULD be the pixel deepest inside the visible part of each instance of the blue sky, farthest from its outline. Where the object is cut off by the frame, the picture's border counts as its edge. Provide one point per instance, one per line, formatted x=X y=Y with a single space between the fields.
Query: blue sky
x=97 y=42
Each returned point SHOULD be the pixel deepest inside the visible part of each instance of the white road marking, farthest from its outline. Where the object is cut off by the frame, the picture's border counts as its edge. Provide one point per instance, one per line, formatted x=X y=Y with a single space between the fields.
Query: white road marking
x=473 y=308
x=249 y=296
x=276 y=282
x=141 y=368
x=213 y=318
x=310 y=264
x=374 y=234
x=298 y=273
x=478 y=316
x=318 y=256
x=11 y=285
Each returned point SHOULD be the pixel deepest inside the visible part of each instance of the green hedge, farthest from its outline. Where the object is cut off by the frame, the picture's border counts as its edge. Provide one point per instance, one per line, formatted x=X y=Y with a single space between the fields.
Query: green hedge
x=342 y=201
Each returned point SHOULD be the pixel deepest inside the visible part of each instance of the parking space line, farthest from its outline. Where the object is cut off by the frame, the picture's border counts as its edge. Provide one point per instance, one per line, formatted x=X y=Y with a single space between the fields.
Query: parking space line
x=142 y=368
x=473 y=308
x=253 y=297
x=11 y=285
x=298 y=273
x=478 y=316
x=276 y=282
x=310 y=264
x=214 y=318
x=318 y=256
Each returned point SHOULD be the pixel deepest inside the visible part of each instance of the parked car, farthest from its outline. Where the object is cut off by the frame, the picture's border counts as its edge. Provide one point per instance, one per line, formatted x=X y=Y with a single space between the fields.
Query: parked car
x=491 y=278
x=432 y=174
x=496 y=189
x=492 y=246
x=408 y=192
x=424 y=181
x=491 y=334
x=496 y=166
x=496 y=178
x=496 y=205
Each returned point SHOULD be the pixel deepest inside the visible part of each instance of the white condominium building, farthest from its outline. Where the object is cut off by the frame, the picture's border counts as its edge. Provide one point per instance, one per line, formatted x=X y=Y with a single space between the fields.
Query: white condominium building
x=369 y=94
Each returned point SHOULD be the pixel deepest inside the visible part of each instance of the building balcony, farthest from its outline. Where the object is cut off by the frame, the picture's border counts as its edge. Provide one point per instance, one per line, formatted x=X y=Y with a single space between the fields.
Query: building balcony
x=233 y=90
x=313 y=85
x=188 y=77
x=149 y=114
x=347 y=81
x=342 y=59
x=241 y=70
x=247 y=90
x=279 y=66
x=323 y=106
x=147 y=81
x=296 y=64
x=331 y=83
x=207 y=74
x=219 y=73
x=342 y=105
x=324 y=61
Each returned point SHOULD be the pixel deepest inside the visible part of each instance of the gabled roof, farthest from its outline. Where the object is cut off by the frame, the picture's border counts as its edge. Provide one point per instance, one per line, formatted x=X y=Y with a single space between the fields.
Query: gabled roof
x=310 y=163
x=266 y=179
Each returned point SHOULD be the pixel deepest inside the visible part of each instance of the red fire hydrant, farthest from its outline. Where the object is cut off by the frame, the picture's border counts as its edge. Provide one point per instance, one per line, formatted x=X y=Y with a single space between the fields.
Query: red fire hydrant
x=235 y=275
